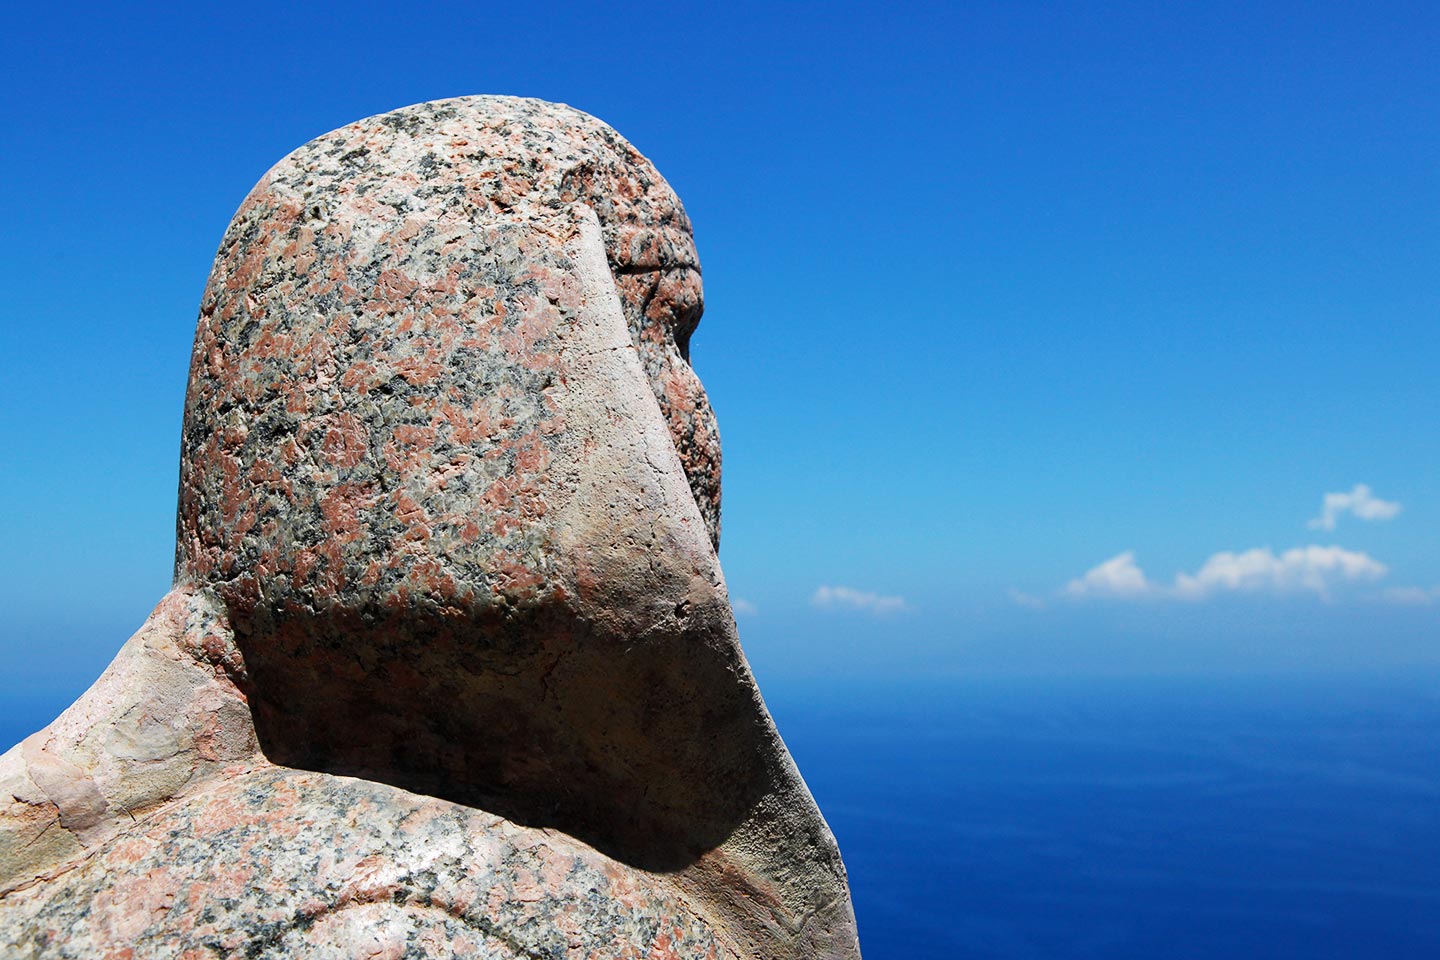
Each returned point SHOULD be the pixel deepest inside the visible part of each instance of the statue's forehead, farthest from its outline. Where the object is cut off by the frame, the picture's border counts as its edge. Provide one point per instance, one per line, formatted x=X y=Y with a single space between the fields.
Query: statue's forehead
x=483 y=157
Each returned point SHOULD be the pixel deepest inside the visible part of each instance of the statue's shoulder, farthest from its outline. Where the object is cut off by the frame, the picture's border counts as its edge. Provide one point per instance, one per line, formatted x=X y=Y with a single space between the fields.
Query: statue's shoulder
x=274 y=862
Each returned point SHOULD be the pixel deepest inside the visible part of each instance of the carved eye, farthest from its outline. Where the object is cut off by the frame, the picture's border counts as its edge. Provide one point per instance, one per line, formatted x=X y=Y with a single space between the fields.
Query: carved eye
x=679 y=302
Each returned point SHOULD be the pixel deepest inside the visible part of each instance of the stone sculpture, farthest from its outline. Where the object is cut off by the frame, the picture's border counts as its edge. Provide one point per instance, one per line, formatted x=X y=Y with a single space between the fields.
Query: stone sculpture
x=449 y=667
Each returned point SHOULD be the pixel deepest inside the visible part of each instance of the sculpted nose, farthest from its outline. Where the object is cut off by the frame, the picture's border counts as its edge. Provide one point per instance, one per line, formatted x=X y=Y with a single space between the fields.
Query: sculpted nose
x=629 y=522
x=663 y=306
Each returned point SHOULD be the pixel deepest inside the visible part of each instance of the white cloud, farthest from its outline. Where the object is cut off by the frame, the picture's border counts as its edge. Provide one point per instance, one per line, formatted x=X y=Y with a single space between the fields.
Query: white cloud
x=1022 y=599
x=1360 y=501
x=1312 y=568
x=743 y=608
x=1412 y=596
x=1116 y=577
x=847 y=598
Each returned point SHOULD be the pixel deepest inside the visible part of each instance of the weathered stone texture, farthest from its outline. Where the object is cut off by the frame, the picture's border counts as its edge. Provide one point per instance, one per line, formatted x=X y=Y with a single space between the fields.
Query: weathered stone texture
x=449 y=668
x=270 y=862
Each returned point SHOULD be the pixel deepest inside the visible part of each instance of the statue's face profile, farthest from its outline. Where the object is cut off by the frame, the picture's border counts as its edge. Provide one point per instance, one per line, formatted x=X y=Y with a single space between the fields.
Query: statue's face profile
x=447 y=465
x=352 y=228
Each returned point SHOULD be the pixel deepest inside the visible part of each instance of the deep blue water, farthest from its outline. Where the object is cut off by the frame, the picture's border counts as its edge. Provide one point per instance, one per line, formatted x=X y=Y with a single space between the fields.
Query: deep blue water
x=1140 y=818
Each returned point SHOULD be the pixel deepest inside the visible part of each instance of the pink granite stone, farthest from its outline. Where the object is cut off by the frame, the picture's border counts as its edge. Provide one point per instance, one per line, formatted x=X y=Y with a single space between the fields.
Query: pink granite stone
x=449 y=668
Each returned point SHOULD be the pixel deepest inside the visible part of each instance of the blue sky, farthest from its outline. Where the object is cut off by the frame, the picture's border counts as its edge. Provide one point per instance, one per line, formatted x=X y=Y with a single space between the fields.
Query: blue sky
x=995 y=296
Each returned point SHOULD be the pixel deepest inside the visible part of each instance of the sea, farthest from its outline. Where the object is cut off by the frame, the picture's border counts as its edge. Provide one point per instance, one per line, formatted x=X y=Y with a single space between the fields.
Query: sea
x=1065 y=819
x=1157 y=818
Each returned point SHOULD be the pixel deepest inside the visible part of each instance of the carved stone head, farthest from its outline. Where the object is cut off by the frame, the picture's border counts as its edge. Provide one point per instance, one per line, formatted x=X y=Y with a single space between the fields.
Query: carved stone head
x=362 y=287
x=449 y=500
x=447 y=466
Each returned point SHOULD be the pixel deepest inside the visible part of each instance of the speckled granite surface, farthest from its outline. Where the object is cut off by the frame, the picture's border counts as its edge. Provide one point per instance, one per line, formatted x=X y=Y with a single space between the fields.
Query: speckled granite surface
x=271 y=862
x=449 y=668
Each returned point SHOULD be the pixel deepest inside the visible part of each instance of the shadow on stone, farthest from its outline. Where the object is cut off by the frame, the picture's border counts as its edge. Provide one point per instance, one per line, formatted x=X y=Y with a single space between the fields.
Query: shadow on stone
x=650 y=749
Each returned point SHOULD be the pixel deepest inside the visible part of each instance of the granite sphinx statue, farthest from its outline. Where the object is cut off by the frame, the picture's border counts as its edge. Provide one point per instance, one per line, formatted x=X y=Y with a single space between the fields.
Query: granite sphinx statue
x=448 y=667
